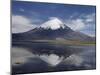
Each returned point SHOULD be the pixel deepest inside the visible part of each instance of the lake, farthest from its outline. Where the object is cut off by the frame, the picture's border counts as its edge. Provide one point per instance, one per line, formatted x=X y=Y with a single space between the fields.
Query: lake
x=29 y=57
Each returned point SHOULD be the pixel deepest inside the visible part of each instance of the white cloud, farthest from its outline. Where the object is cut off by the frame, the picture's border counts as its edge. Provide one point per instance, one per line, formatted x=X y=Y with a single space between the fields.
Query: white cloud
x=81 y=22
x=21 y=9
x=20 y=55
x=90 y=18
x=21 y=24
x=76 y=24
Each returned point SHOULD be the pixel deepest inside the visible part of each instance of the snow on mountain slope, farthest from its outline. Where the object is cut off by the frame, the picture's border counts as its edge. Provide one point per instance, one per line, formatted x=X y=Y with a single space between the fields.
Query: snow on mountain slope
x=53 y=23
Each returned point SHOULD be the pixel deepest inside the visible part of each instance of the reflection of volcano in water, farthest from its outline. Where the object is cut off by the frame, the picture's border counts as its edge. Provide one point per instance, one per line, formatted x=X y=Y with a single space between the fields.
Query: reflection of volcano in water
x=23 y=55
x=32 y=58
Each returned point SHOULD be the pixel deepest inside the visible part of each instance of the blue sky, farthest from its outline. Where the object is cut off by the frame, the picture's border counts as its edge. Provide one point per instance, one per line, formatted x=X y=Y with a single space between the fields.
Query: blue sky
x=77 y=17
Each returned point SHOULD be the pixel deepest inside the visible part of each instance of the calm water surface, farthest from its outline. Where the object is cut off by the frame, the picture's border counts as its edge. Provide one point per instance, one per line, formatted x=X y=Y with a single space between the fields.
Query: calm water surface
x=43 y=57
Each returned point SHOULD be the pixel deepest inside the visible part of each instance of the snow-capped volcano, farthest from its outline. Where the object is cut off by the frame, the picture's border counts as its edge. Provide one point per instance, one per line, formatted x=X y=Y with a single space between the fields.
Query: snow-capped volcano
x=53 y=23
x=52 y=29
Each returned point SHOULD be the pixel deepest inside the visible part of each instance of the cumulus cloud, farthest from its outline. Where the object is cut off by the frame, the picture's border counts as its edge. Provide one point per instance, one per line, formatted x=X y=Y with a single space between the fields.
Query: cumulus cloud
x=82 y=23
x=21 y=24
x=76 y=24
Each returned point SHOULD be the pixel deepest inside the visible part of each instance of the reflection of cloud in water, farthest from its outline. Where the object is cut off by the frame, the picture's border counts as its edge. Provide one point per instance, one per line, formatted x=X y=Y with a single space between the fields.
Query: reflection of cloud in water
x=85 y=58
x=20 y=55
x=74 y=60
